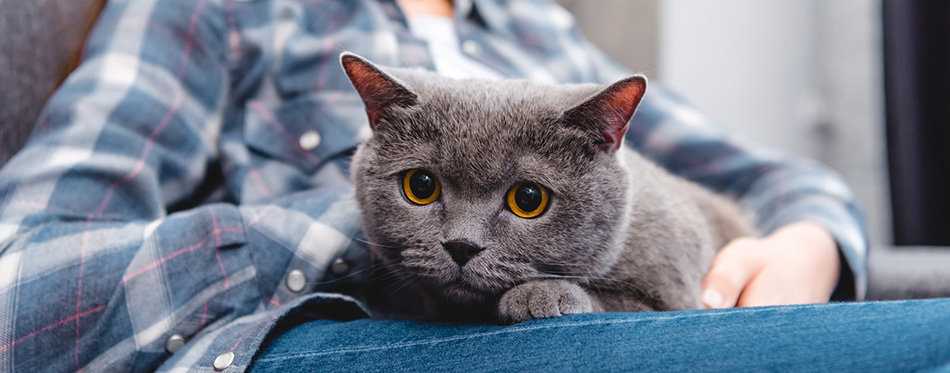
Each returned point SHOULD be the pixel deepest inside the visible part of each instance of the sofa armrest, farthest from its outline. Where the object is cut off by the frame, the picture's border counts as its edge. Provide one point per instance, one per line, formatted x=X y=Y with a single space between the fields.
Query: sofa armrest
x=908 y=273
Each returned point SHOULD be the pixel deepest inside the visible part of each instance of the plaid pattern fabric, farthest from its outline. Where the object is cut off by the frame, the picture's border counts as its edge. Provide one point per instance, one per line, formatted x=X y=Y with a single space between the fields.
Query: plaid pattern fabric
x=200 y=155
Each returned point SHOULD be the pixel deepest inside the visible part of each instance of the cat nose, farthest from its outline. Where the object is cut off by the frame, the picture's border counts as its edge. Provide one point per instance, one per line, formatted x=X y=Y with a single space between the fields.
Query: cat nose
x=461 y=251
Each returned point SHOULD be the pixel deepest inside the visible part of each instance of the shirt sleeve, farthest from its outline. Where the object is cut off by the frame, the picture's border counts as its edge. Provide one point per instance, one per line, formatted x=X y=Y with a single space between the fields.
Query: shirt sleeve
x=97 y=267
x=778 y=188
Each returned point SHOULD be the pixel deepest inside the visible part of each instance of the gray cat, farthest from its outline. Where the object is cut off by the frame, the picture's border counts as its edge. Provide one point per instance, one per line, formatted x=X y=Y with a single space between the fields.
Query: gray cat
x=515 y=200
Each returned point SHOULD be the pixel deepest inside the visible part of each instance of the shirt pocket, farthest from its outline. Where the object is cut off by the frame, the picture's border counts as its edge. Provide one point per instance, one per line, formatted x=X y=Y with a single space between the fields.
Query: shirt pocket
x=306 y=130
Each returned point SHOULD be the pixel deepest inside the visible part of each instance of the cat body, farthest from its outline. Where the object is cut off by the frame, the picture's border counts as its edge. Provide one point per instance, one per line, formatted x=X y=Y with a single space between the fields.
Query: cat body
x=515 y=200
x=676 y=227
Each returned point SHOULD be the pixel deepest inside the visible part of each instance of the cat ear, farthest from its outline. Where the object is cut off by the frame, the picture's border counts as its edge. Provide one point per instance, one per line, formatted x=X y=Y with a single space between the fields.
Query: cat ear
x=608 y=112
x=379 y=90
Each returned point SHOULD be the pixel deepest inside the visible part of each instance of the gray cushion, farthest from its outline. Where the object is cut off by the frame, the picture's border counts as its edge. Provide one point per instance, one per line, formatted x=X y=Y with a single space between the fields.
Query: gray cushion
x=35 y=38
x=909 y=273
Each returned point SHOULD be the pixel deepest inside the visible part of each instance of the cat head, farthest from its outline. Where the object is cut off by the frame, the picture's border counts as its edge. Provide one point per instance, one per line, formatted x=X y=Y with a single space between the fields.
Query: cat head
x=470 y=187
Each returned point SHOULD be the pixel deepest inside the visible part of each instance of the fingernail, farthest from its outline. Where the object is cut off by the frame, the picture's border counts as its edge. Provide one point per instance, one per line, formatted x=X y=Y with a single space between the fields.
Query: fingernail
x=712 y=298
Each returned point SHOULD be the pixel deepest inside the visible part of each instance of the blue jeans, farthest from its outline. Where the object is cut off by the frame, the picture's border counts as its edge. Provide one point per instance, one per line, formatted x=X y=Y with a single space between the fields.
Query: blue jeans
x=871 y=336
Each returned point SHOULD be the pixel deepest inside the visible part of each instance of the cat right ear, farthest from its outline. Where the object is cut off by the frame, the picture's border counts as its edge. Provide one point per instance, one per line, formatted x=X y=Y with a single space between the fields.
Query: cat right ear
x=380 y=91
x=608 y=112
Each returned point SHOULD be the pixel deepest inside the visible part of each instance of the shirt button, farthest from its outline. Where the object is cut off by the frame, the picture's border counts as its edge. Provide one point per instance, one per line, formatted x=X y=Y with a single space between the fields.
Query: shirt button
x=310 y=140
x=287 y=13
x=470 y=47
x=296 y=281
x=174 y=343
x=339 y=266
x=223 y=361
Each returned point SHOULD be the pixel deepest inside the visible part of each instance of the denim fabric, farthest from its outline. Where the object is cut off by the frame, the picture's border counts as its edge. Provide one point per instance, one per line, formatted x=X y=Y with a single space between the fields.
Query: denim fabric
x=858 y=337
x=167 y=192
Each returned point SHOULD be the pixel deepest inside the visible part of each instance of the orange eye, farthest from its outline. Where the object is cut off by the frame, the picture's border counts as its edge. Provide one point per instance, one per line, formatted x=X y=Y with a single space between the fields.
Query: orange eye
x=527 y=200
x=420 y=186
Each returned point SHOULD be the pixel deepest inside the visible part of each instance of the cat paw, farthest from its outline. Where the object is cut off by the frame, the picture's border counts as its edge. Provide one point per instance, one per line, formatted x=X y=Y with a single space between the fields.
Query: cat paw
x=541 y=299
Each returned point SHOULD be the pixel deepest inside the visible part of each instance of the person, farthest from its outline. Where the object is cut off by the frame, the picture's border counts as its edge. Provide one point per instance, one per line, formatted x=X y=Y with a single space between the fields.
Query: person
x=184 y=204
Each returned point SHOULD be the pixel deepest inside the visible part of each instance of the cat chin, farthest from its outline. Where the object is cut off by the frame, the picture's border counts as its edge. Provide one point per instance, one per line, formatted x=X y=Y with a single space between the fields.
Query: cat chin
x=461 y=292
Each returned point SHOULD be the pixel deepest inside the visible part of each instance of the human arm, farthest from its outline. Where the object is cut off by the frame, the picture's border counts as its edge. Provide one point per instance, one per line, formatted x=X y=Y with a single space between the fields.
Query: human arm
x=780 y=190
x=107 y=247
x=777 y=188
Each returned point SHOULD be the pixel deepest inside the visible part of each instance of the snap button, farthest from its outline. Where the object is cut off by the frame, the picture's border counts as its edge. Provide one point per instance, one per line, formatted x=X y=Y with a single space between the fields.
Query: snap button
x=470 y=47
x=223 y=361
x=296 y=281
x=310 y=140
x=339 y=266
x=174 y=343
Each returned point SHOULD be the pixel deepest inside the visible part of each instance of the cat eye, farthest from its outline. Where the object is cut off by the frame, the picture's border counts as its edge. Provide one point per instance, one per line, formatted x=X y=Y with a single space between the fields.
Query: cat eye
x=527 y=200
x=420 y=186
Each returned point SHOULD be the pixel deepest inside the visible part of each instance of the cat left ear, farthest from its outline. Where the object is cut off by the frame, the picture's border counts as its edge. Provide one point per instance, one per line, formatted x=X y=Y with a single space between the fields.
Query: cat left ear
x=608 y=113
x=380 y=91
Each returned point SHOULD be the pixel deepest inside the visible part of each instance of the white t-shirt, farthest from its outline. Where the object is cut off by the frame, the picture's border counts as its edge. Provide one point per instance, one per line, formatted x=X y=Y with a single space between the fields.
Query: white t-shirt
x=449 y=59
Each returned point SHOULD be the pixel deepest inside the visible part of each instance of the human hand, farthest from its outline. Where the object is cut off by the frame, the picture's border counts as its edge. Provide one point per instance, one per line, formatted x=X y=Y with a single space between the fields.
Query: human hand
x=796 y=264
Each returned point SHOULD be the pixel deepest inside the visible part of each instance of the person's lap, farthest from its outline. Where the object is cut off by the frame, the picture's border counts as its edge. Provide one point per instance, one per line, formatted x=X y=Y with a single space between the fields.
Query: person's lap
x=871 y=336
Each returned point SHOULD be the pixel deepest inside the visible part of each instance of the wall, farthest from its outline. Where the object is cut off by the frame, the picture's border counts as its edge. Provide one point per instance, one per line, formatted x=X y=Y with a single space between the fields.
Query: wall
x=625 y=29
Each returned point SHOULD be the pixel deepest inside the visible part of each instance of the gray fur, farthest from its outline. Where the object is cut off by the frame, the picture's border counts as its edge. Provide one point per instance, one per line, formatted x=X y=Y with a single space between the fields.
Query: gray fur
x=620 y=233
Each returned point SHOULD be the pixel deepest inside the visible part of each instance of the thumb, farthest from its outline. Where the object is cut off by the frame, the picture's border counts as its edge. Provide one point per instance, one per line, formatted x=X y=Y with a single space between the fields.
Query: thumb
x=734 y=266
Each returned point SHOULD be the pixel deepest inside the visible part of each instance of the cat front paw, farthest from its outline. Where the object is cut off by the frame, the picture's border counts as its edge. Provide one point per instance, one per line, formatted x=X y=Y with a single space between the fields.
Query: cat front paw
x=541 y=299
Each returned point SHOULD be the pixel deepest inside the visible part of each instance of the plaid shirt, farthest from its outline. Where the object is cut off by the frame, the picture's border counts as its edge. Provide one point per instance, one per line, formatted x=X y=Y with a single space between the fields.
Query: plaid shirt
x=186 y=191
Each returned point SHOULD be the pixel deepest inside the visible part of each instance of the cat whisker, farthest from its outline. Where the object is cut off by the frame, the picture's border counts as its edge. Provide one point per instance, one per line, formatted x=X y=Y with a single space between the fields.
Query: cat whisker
x=347 y=276
x=407 y=281
x=354 y=238
x=625 y=289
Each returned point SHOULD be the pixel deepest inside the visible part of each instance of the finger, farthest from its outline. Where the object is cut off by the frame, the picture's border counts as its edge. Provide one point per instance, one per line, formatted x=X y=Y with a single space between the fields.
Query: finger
x=775 y=286
x=731 y=271
x=765 y=289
